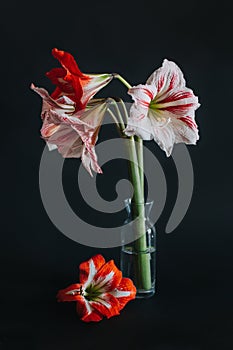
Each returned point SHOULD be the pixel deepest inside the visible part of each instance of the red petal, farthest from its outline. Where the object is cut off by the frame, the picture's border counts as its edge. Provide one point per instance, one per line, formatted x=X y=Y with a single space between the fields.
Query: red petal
x=126 y=285
x=69 y=293
x=90 y=267
x=67 y=61
x=179 y=109
x=189 y=122
x=108 y=277
x=94 y=316
x=106 y=304
x=86 y=312
x=176 y=96
x=56 y=75
x=67 y=79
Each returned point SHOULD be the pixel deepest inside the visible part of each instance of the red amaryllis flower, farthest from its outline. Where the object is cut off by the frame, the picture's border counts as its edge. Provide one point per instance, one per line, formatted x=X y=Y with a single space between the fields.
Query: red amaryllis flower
x=71 y=82
x=74 y=134
x=164 y=109
x=102 y=292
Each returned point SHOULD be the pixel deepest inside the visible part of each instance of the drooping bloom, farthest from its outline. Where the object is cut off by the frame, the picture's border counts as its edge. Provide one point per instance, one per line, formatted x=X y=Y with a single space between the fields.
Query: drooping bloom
x=102 y=292
x=69 y=124
x=163 y=109
x=74 y=134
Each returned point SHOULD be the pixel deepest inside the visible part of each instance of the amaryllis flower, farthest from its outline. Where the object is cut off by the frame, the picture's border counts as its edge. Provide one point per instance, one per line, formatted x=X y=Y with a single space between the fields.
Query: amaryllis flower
x=101 y=291
x=74 y=134
x=68 y=123
x=71 y=82
x=163 y=109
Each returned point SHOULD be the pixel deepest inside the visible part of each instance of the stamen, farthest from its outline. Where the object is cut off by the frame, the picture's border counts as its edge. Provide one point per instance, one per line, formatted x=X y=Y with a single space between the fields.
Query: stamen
x=79 y=291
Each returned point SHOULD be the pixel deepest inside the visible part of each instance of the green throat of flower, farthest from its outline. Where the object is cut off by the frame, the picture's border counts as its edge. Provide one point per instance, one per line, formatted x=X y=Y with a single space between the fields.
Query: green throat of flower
x=92 y=292
x=154 y=105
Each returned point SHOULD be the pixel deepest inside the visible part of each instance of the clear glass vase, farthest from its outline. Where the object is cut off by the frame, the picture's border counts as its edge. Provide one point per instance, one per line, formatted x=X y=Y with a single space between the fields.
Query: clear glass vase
x=138 y=250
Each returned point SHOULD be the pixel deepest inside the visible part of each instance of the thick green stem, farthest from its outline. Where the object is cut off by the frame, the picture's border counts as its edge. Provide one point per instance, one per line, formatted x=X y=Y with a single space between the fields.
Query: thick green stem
x=143 y=262
x=136 y=173
x=139 y=143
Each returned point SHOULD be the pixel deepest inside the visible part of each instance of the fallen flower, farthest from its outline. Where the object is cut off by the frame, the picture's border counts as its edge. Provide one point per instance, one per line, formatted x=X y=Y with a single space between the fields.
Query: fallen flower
x=102 y=291
x=163 y=109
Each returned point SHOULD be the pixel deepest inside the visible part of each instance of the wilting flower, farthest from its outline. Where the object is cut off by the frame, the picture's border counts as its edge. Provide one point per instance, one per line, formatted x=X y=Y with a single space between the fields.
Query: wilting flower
x=164 y=109
x=74 y=134
x=71 y=82
x=102 y=292
x=69 y=123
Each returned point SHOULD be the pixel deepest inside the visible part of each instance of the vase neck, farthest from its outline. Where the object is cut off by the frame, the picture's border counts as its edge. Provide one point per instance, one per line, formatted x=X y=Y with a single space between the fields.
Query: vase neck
x=131 y=206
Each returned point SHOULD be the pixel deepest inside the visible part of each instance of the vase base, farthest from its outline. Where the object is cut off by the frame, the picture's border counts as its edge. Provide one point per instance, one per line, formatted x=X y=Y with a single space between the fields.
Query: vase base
x=145 y=294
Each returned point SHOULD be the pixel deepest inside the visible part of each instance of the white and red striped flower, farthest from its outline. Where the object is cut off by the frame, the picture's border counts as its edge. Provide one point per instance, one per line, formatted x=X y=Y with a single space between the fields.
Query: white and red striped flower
x=74 y=134
x=163 y=109
x=102 y=292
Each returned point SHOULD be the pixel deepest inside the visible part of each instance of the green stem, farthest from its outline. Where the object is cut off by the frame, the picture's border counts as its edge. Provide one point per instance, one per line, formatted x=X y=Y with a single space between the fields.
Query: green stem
x=140 y=244
x=125 y=110
x=114 y=118
x=139 y=143
x=118 y=125
x=135 y=171
x=122 y=124
x=119 y=77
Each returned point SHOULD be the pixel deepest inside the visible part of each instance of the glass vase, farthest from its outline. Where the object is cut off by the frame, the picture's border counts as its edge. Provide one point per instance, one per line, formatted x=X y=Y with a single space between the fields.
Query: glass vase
x=138 y=249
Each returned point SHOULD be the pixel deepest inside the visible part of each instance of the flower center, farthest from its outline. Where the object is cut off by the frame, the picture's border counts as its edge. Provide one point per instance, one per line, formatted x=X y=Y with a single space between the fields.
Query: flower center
x=92 y=292
x=156 y=107
x=153 y=104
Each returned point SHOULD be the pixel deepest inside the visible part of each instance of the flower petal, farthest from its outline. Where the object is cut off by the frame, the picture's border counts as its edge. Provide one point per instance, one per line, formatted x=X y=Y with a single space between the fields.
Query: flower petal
x=166 y=78
x=68 y=142
x=86 y=312
x=177 y=103
x=62 y=104
x=89 y=268
x=143 y=94
x=138 y=123
x=70 y=138
x=87 y=124
x=48 y=129
x=106 y=304
x=67 y=79
x=67 y=61
x=162 y=131
x=108 y=277
x=94 y=83
x=186 y=130
x=174 y=131
x=125 y=292
x=71 y=293
x=139 y=126
x=89 y=160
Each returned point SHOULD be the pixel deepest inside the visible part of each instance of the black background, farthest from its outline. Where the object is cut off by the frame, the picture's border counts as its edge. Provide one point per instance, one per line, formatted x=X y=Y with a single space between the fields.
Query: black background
x=192 y=308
